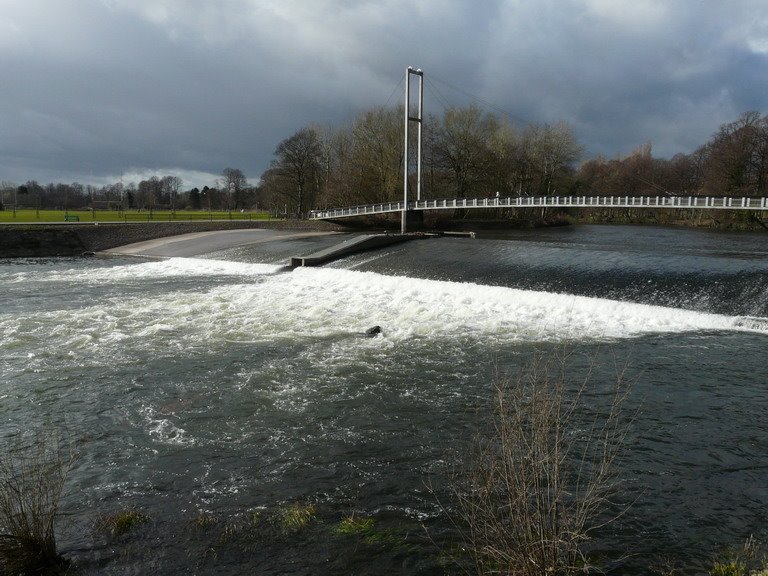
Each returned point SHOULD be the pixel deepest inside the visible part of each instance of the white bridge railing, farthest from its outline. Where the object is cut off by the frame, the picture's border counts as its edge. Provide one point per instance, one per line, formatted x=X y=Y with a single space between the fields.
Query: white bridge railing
x=697 y=202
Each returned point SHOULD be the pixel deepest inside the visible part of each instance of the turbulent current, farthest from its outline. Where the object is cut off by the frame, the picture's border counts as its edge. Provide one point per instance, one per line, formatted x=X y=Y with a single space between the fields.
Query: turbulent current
x=219 y=386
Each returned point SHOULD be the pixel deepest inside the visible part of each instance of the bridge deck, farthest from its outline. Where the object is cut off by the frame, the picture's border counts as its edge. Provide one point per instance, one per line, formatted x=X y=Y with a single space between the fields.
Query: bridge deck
x=692 y=202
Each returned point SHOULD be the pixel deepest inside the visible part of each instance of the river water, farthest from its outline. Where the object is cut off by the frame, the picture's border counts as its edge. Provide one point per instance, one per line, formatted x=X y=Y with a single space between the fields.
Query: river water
x=206 y=392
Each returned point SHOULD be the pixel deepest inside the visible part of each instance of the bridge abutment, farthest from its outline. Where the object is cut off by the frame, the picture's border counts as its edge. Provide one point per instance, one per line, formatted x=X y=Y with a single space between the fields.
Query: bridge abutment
x=411 y=221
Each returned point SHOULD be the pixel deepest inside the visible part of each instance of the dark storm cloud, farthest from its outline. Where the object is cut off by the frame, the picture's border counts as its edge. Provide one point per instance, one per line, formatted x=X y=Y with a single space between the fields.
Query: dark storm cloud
x=96 y=88
x=629 y=72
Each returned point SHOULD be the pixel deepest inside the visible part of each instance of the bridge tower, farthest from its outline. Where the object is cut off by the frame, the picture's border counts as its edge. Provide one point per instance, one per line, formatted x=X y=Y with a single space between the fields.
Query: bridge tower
x=414 y=216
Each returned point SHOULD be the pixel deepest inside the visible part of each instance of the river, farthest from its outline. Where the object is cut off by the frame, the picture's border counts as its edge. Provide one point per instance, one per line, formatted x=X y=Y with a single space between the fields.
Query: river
x=208 y=391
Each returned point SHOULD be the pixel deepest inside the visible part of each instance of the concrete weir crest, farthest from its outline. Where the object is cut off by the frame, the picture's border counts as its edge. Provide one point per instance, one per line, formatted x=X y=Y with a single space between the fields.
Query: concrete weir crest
x=351 y=246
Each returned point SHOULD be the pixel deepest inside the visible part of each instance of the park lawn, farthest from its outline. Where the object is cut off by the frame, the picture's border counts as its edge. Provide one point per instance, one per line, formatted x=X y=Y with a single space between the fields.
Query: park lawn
x=34 y=216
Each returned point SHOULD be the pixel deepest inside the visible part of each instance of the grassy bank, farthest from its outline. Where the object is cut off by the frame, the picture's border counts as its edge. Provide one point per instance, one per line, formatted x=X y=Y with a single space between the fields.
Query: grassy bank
x=34 y=216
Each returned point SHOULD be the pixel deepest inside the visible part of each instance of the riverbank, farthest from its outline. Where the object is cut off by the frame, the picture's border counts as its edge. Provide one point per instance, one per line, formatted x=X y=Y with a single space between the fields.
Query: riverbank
x=43 y=240
x=725 y=220
x=730 y=220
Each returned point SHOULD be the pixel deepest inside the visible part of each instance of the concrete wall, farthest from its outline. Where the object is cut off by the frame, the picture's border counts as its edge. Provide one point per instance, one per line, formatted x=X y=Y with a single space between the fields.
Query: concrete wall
x=36 y=240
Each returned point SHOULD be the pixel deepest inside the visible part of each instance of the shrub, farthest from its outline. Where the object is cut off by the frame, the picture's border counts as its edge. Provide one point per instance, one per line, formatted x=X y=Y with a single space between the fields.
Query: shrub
x=540 y=478
x=296 y=516
x=204 y=521
x=744 y=561
x=122 y=522
x=354 y=525
x=32 y=480
x=728 y=568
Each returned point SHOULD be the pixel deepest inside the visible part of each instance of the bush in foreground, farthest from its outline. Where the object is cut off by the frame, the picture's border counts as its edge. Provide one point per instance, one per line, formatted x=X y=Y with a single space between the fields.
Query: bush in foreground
x=540 y=481
x=31 y=483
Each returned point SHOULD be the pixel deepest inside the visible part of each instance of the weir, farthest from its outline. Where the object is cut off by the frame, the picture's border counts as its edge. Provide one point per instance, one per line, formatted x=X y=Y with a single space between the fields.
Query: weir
x=352 y=246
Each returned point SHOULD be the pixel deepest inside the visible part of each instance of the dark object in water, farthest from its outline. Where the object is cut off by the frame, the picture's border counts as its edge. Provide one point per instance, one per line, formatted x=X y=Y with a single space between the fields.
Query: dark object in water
x=373 y=331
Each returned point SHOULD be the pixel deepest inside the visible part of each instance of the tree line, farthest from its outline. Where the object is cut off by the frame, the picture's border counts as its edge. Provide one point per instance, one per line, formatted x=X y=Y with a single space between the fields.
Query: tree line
x=734 y=162
x=471 y=153
x=231 y=192
x=467 y=152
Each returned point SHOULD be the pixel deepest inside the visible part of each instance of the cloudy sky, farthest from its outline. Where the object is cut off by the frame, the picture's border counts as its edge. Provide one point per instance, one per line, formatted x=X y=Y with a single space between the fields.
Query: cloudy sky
x=92 y=89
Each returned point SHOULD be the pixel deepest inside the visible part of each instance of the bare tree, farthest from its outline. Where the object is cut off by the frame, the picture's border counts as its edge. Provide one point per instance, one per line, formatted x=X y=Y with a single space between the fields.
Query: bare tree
x=461 y=148
x=542 y=479
x=233 y=183
x=171 y=186
x=149 y=193
x=551 y=149
x=737 y=157
x=377 y=153
x=297 y=173
x=508 y=170
x=7 y=195
x=32 y=481
x=340 y=184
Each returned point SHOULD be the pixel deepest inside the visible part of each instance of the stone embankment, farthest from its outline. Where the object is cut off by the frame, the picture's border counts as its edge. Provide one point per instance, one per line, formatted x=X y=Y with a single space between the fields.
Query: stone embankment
x=37 y=240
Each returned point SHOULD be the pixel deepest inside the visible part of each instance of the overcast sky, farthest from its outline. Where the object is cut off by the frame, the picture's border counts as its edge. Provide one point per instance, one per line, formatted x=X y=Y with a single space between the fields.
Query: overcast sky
x=95 y=88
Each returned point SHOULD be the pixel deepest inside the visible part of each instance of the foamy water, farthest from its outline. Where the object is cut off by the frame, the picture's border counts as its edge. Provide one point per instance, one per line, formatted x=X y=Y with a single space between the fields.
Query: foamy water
x=259 y=304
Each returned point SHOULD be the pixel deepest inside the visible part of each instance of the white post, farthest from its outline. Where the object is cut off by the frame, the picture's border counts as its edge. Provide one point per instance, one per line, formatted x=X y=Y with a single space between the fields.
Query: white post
x=408 y=120
x=403 y=227
x=418 y=134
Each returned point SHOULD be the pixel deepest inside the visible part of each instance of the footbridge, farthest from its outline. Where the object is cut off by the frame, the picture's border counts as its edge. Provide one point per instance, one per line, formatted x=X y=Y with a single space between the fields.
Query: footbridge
x=412 y=210
x=659 y=202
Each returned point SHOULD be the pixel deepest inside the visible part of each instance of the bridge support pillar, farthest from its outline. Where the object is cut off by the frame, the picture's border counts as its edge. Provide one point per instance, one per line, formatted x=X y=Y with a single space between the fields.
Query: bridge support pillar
x=411 y=221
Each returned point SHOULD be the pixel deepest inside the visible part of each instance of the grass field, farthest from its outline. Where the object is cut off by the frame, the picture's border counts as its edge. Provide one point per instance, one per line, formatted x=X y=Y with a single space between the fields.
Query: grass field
x=32 y=216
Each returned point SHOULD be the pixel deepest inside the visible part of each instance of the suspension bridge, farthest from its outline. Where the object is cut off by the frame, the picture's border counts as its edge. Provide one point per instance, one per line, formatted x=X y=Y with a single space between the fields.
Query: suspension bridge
x=668 y=202
x=412 y=210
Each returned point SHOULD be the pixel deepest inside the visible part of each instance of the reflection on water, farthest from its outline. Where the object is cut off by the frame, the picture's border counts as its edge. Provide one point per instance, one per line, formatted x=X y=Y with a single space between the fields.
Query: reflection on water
x=218 y=386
